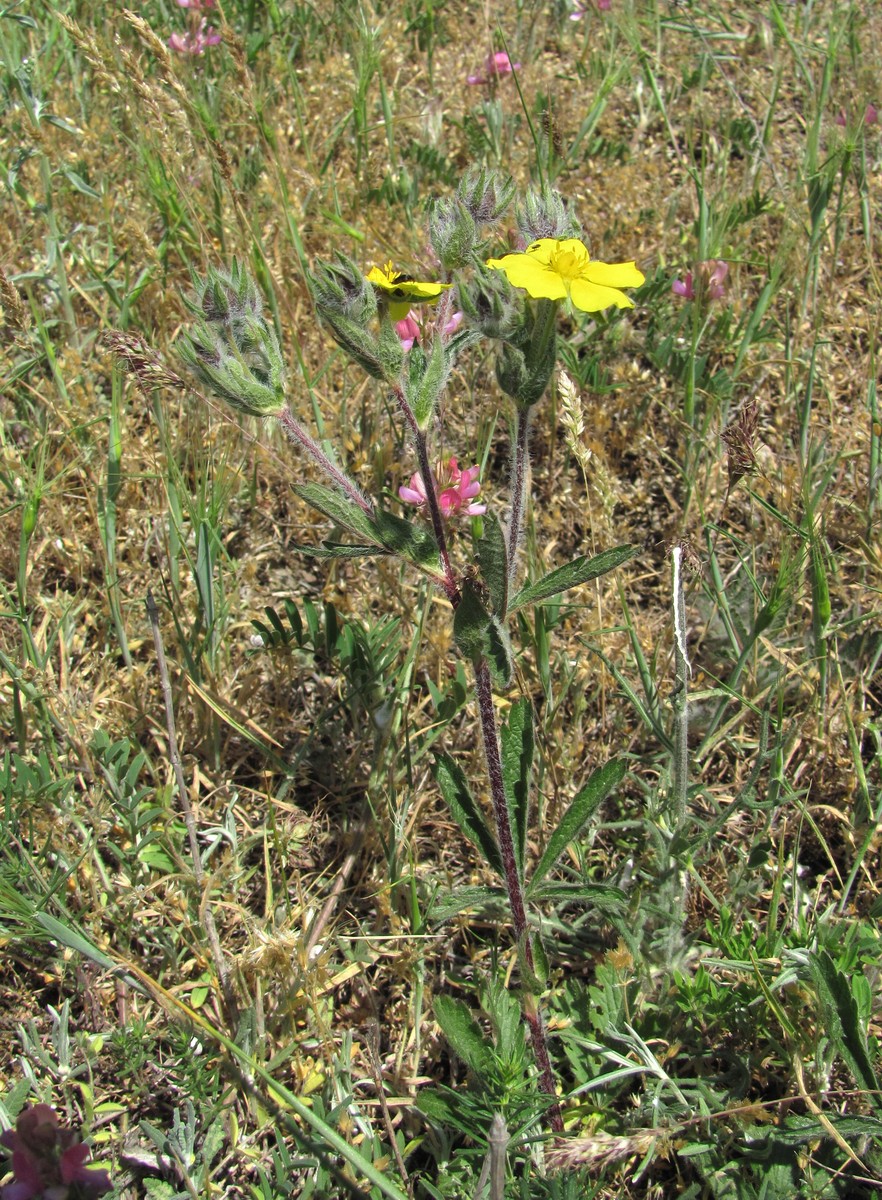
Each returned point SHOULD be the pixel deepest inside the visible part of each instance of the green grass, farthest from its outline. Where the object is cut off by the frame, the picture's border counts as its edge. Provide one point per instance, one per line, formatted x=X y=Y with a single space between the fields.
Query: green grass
x=281 y=962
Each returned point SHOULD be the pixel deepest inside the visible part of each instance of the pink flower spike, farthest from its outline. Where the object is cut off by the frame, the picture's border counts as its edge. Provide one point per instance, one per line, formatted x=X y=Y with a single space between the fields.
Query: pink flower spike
x=684 y=288
x=455 y=489
x=408 y=331
x=716 y=271
x=195 y=42
x=871 y=115
x=495 y=66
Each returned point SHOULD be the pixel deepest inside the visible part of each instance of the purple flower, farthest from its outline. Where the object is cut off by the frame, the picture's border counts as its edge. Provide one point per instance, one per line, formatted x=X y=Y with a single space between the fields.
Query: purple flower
x=711 y=281
x=454 y=488
x=47 y=1160
x=581 y=8
x=195 y=41
x=495 y=67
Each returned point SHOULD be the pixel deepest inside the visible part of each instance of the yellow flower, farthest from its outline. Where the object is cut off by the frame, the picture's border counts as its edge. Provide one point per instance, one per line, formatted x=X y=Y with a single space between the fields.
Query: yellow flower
x=403 y=290
x=556 y=268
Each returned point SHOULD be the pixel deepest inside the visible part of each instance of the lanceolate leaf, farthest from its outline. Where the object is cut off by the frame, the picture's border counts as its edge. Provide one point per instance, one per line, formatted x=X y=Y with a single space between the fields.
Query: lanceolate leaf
x=339 y=550
x=479 y=634
x=462 y=1032
x=409 y=541
x=451 y=904
x=577 y=816
x=493 y=561
x=600 y=895
x=842 y=1021
x=464 y=809
x=516 y=737
x=580 y=570
x=339 y=509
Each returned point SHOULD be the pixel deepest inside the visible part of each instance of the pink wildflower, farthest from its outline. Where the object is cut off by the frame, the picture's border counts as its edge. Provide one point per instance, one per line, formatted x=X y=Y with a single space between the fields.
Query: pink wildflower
x=47 y=1160
x=841 y=118
x=196 y=5
x=495 y=66
x=411 y=329
x=581 y=8
x=871 y=115
x=195 y=41
x=453 y=487
x=711 y=281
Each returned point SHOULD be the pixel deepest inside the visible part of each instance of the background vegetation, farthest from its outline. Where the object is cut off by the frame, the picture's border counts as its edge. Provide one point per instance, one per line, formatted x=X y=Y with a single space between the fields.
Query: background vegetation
x=294 y=1011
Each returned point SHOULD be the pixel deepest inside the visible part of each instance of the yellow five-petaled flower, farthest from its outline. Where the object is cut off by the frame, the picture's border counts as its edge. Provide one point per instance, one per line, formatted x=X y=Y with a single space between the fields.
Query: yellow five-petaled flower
x=561 y=268
x=403 y=290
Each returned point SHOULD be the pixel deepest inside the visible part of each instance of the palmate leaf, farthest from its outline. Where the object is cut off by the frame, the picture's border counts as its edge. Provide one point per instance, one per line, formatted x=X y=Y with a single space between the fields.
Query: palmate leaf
x=464 y=809
x=571 y=574
x=586 y=802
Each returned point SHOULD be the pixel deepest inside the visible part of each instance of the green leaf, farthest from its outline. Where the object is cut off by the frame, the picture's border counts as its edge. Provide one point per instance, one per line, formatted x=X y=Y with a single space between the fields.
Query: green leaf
x=492 y=558
x=463 y=1032
x=409 y=541
x=516 y=737
x=842 y=1020
x=464 y=809
x=451 y=904
x=480 y=635
x=78 y=183
x=338 y=550
x=339 y=509
x=580 y=570
x=587 y=801
x=601 y=895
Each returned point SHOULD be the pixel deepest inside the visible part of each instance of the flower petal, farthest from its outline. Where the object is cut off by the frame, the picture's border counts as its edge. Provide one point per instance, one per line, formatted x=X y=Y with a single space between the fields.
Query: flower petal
x=615 y=275
x=525 y=271
x=591 y=297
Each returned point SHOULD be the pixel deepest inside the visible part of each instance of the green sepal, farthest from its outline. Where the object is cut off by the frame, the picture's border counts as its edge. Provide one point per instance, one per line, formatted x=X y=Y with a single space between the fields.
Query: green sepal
x=465 y=811
x=492 y=556
x=585 y=803
x=571 y=574
x=479 y=634
x=361 y=346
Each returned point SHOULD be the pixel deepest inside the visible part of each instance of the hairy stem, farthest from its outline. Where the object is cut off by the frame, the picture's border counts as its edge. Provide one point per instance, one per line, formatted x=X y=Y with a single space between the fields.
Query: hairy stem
x=347 y=486
x=422 y=452
x=520 y=464
x=513 y=882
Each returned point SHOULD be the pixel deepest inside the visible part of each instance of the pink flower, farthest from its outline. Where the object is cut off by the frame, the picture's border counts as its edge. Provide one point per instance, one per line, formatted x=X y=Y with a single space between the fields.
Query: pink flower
x=581 y=7
x=453 y=487
x=711 y=281
x=871 y=115
x=684 y=288
x=411 y=329
x=841 y=118
x=197 y=5
x=47 y=1160
x=195 y=41
x=495 y=66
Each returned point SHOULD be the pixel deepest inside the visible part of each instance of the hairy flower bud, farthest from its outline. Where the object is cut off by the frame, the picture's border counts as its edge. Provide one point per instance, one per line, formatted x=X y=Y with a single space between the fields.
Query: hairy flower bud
x=485 y=194
x=341 y=290
x=490 y=305
x=544 y=215
x=453 y=233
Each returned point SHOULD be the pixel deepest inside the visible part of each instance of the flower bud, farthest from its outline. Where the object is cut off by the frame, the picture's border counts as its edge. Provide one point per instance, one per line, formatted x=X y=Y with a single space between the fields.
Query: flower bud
x=544 y=215
x=340 y=289
x=490 y=305
x=485 y=194
x=453 y=233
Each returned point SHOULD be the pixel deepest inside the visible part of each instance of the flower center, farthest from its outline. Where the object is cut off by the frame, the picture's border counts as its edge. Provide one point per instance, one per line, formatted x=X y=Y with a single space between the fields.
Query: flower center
x=570 y=263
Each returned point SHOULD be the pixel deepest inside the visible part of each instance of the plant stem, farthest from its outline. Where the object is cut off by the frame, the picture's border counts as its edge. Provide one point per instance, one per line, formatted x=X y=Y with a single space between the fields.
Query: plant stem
x=513 y=882
x=420 y=445
x=519 y=468
x=297 y=433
